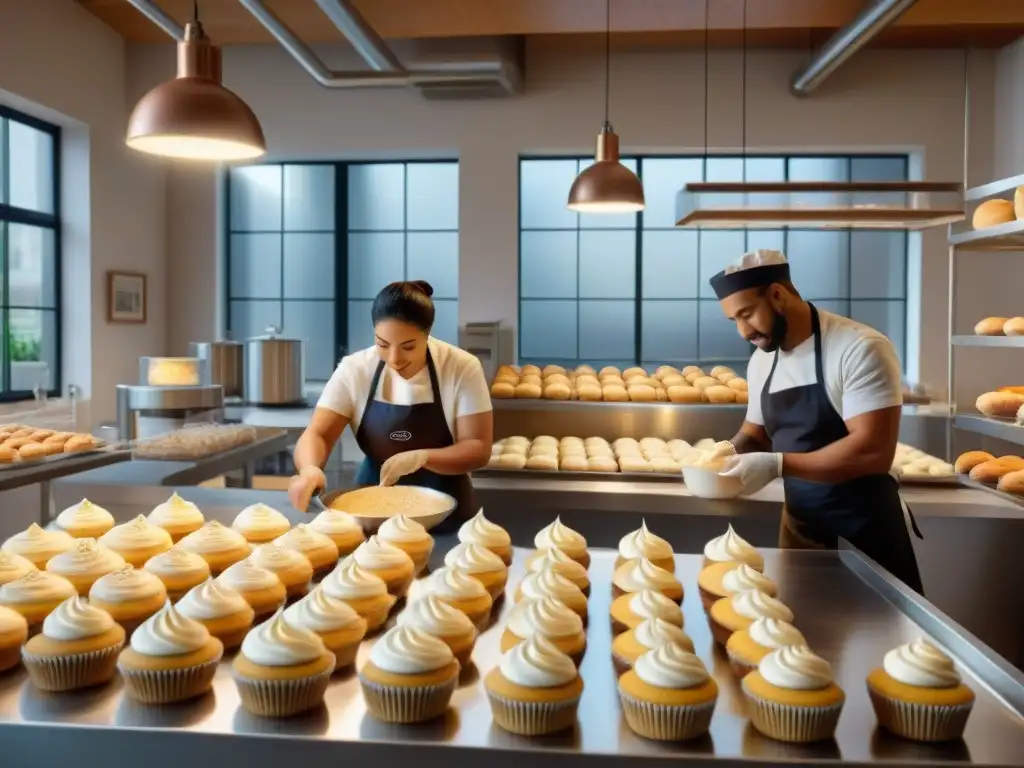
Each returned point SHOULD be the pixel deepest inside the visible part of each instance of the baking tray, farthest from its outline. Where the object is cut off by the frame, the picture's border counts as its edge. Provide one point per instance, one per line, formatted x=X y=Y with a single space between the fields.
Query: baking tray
x=524 y=474
x=948 y=481
x=54 y=459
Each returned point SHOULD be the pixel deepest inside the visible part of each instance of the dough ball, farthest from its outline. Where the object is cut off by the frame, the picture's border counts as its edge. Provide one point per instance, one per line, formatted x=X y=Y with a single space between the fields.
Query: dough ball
x=602 y=464
x=494 y=462
x=543 y=450
x=720 y=394
x=572 y=450
x=992 y=213
x=1001 y=404
x=665 y=370
x=685 y=394
x=589 y=393
x=511 y=461
x=652 y=442
x=611 y=380
x=569 y=439
x=967 y=461
x=587 y=380
x=599 y=451
x=585 y=369
x=662 y=394
x=691 y=369
x=530 y=378
x=573 y=463
x=725 y=378
x=704 y=444
x=543 y=462
x=528 y=391
x=552 y=370
x=940 y=469
x=741 y=397
x=610 y=370
x=614 y=393
x=517 y=440
x=545 y=440
x=590 y=442
x=740 y=385
x=621 y=441
x=634 y=464
x=529 y=370
x=718 y=370
x=666 y=466
x=503 y=390
x=692 y=377
x=642 y=393
x=703 y=382
x=673 y=380
x=1012 y=482
x=1014 y=326
x=990 y=326
x=557 y=391
x=635 y=370
x=514 y=449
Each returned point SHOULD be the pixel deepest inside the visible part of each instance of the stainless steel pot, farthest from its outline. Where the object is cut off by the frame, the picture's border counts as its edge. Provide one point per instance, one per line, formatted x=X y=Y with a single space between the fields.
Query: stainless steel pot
x=226 y=363
x=275 y=370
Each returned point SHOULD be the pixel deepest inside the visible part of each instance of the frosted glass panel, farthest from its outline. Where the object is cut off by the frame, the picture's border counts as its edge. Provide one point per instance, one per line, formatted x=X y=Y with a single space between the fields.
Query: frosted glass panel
x=819 y=263
x=31 y=266
x=255 y=267
x=252 y=318
x=766 y=169
x=717 y=250
x=608 y=220
x=819 y=169
x=726 y=169
x=670 y=264
x=432 y=195
x=374 y=260
x=543 y=192
x=360 y=326
x=547 y=265
x=308 y=266
x=376 y=196
x=446 y=321
x=434 y=257
x=313 y=322
x=309 y=198
x=255 y=198
x=718 y=335
x=30 y=177
x=879 y=169
x=878 y=265
x=770 y=239
x=607 y=265
x=606 y=329
x=669 y=330
x=888 y=317
x=548 y=330
x=663 y=178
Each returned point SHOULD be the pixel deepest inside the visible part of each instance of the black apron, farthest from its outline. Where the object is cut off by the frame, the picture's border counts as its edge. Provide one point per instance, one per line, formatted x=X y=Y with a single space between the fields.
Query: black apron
x=866 y=511
x=386 y=429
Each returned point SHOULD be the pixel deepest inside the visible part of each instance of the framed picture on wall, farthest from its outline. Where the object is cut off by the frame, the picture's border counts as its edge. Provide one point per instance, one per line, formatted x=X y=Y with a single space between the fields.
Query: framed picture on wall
x=126 y=297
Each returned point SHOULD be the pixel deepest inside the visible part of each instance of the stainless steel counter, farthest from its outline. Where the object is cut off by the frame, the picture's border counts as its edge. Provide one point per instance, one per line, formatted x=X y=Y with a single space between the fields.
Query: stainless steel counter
x=849 y=613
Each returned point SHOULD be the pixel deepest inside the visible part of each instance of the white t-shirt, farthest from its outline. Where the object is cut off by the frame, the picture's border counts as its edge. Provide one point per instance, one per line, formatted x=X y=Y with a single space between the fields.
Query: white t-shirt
x=862 y=371
x=460 y=377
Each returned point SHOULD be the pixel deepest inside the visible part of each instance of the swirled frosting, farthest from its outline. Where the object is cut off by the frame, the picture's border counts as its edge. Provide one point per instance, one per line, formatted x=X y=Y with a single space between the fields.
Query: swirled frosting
x=773 y=633
x=213 y=537
x=36 y=544
x=454 y=584
x=211 y=600
x=652 y=633
x=753 y=604
x=320 y=612
x=260 y=517
x=404 y=529
x=304 y=539
x=37 y=587
x=640 y=574
x=84 y=514
x=671 y=666
x=175 y=511
x=796 y=668
x=288 y=564
x=75 y=619
x=743 y=578
x=641 y=543
x=278 y=643
x=544 y=616
x=334 y=522
x=125 y=584
x=561 y=537
x=651 y=604
x=479 y=530
x=550 y=584
x=168 y=632
x=177 y=562
x=410 y=651
x=11 y=621
x=474 y=558
x=375 y=554
x=84 y=558
x=14 y=566
x=731 y=548
x=246 y=576
x=537 y=663
x=349 y=581
x=436 y=618
x=135 y=534
x=922 y=665
x=559 y=562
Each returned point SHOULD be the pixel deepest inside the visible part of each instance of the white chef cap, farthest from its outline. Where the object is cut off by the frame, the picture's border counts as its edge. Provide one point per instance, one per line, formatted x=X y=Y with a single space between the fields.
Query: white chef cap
x=755 y=269
x=762 y=257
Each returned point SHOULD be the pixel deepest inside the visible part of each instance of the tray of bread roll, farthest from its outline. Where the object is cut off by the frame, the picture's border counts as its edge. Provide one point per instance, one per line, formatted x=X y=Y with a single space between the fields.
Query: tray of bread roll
x=1004 y=474
x=22 y=444
x=912 y=466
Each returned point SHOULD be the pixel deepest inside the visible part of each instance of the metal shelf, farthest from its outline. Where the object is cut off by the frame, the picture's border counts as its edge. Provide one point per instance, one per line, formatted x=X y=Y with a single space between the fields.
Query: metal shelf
x=1001 y=429
x=1003 y=237
x=966 y=482
x=1004 y=342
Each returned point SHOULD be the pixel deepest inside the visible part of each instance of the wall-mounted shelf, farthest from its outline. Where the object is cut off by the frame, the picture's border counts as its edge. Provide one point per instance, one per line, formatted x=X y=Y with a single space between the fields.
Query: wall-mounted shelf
x=1002 y=342
x=1001 y=429
x=1002 y=237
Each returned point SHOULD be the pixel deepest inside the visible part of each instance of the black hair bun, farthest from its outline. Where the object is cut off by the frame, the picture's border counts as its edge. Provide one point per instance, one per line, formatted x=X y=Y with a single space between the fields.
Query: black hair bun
x=423 y=287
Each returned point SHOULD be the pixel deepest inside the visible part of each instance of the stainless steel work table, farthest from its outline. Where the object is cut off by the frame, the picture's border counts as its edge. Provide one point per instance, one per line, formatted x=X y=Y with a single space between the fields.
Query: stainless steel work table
x=850 y=614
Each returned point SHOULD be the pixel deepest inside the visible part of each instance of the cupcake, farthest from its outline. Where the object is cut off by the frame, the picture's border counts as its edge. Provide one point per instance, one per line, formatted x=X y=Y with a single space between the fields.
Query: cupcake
x=137 y=541
x=37 y=545
x=918 y=694
x=84 y=563
x=559 y=536
x=551 y=584
x=409 y=678
x=668 y=695
x=85 y=520
x=535 y=690
x=337 y=624
x=410 y=537
x=636 y=575
x=318 y=548
x=630 y=610
x=443 y=622
x=388 y=562
x=456 y=588
x=292 y=568
x=341 y=528
x=176 y=516
x=364 y=592
x=479 y=530
x=561 y=563
x=170 y=658
x=731 y=548
x=739 y=611
x=260 y=588
x=791 y=696
x=260 y=523
x=748 y=646
x=35 y=594
x=130 y=595
x=551 y=618
x=648 y=635
x=13 y=567
x=218 y=545
x=179 y=570
x=480 y=563
x=220 y=609
x=77 y=648
x=13 y=634
x=720 y=580
x=641 y=544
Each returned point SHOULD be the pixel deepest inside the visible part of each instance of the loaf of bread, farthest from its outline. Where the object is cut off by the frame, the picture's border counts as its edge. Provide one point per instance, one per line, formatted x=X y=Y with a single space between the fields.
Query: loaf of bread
x=990 y=326
x=502 y=390
x=573 y=463
x=991 y=213
x=991 y=471
x=528 y=391
x=965 y=462
x=642 y=393
x=685 y=394
x=1012 y=482
x=1014 y=326
x=1000 y=404
x=615 y=393
x=720 y=394
x=557 y=391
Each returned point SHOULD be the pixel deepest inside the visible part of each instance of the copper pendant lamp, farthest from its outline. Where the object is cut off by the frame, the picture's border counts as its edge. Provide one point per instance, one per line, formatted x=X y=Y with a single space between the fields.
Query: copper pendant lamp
x=193 y=116
x=607 y=186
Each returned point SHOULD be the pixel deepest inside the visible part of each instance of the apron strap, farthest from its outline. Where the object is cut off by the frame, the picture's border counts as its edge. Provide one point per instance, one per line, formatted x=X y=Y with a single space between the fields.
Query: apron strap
x=819 y=368
x=435 y=385
x=373 y=386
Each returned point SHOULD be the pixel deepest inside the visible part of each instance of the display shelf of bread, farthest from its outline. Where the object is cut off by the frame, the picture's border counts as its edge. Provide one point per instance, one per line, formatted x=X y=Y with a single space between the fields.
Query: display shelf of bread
x=194 y=442
x=1005 y=405
x=1003 y=473
x=719 y=385
x=997 y=222
x=20 y=443
x=1000 y=326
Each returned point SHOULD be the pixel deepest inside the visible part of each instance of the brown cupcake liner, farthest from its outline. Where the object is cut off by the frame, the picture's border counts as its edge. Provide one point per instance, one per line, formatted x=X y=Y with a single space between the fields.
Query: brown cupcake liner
x=283 y=698
x=165 y=686
x=618 y=627
x=707 y=599
x=344 y=655
x=720 y=633
x=68 y=673
x=533 y=718
x=621 y=665
x=407 y=704
x=666 y=723
x=10 y=657
x=233 y=638
x=738 y=667
x=785 y=722
x=920 y=722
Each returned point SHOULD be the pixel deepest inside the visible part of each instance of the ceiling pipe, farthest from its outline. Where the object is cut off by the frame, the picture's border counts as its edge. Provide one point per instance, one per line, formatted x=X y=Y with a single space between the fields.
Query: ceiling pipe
x=153 y=12
x=368 y=44
x=846 y=42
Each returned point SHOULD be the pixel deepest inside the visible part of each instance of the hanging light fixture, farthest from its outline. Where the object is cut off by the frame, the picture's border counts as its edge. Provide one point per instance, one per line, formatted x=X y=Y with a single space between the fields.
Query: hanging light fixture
x=607 y=186
x=194 y=116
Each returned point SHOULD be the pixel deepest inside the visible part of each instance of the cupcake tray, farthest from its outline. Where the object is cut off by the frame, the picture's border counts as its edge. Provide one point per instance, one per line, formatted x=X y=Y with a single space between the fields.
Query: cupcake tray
x=850 y=613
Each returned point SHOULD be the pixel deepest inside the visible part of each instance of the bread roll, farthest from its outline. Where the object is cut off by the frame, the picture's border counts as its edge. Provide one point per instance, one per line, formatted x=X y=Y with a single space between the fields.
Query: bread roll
x=511 y=461
x=543 y=450
x=589 y=392
x=725 y=378
x=507 y=369
x=573 y=463
x=556 y=378
x=967 y=461
x=602 y=464
x=693 y=376
x=505 y=378
x=22 y=432
x=611 y=378
x=529 y=370
x=1000 y=404
x=741 y=396
x=1018 y=202
x=518 y=440
x=599 y=451
x=594 y=441
x=587 y=379
x=703 y=382
x=16 y=443
x=32 y=451
x=543 y=462
x=41 y=434
x=610 y=370
x=495 y=461
x=673 y=380
x=530 y=378
x=1014 y=326
x=502 y=390
x=621 y=441
x=528 y=391
x=652 y=442
x=692 y=369
x=614 y=393
x=642 y=393
x=686 y=394
x=545 y=440
x=572 y=439
x=552 y=370
x=991 y=213
x=1012 y=482
x=662 y=394
x=514 y=449
x=557 y=391
x=666 y=466
x=7 y=455
x=720 y=394
x=991 y=471
x=635 y=464
x=718 y=370
x=1014 y=390
x=585 y=369
x=572 y=450
x=738 y=384
x=990 y=326
x=634 y=371
x=665 y=370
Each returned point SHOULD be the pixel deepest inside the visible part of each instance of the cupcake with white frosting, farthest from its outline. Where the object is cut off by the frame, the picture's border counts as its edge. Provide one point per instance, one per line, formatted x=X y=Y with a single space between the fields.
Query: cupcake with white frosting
x=291 y=566
x=561 y=563
x=739 y=611
x=13 y=634
x=130 y=595
x=410 y=677
x=461 y=591
x=439 y=619
x=551 y=584
x=730 y=547
x=557 y=535
x=317 y=547
x=668 y=695
x=170 y=658
x=259 y=587
x=35 y=594
x=628 y=611
x=366 y=593
x=225 y=613
x=479 y=530
x=648 y=635
x=137 y=541
x=179 y=570
x=260 y=523
x=337 y=624
x=38 y=546
x=409 y=536
x=480 y=563
x=13 y=567
x=218 y=545
x=85 y=520
x=720 y=580
x=84 y=563
x=387 y=562
x=642 y=544
x=177 y=516
x=535 y=690
x=343 y=529
x=636 y=575
x=918 y=694
x=77 y=648
x=551 y=618
x=747 y=647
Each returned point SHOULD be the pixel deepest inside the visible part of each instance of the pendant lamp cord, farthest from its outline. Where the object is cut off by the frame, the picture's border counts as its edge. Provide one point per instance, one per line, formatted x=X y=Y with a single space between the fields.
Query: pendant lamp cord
x=743 y=135
x=195 y=10
x=707 y=24
x=607 y=57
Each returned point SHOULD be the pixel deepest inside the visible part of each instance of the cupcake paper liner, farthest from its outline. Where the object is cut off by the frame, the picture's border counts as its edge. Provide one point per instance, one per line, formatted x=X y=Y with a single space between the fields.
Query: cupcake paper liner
x=785 y=722
x=10 y=657
x=283 y=698
x=707 y=599
x=920 y=722
x=402 y=704
x=164 y=686
x=720 y=633
x=666 y=723
x=67 y=673
x=618 y=627
x=533 y=718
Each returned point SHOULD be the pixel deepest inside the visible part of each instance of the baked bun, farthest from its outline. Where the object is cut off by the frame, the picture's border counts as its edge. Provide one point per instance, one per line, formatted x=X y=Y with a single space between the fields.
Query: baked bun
x=1012 y=482
x=543 y=450
x=586 y=378
x=504 y=378
x=703 y=382
x=1014 y=326
x=572 y=449
x=610 y=370
x=531 y=378
x=737 y=384
x=991 y=213
x=741 y=396
x=510 y=461
x=551 y=370
x=615 y=393
x=965 y=462
x=589 y=392
x=665 y=370
x=662 y=394
x=634 y=371
x=543 y=462
x=665 y=465
x=720 y=394
x=502 y=390
x=573 y=463
x=556 y=378
x=685 y=394
x=557 y=391
x=990 y=326
x=1018 y=203
x=529 y=370
x=642 y=393
x=527 y=391
x=554 y=442
x=725 y=378
x=718 y=370
x=611 y=379
x=585 y=369
x=691 y=369
x=602 y=464
x=634 y=464
x=991 y=471
x=17 y=442
x=7 y=455
x=52 y=449
x=693 y=376
x=1000 y=404
x=672 y=380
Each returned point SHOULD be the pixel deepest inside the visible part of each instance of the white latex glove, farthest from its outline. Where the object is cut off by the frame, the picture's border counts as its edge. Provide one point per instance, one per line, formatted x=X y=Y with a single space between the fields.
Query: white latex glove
x=302 y=486
x=400 y=465
x=755 y=470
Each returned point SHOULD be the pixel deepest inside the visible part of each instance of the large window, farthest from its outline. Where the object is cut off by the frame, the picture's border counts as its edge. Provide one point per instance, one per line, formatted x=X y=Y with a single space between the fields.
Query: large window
x=29 y=256
x=310 y=245
x=633 y=288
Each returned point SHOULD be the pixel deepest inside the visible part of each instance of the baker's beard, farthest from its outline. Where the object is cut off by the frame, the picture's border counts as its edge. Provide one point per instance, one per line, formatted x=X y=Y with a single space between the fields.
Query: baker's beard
x=777 y=336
